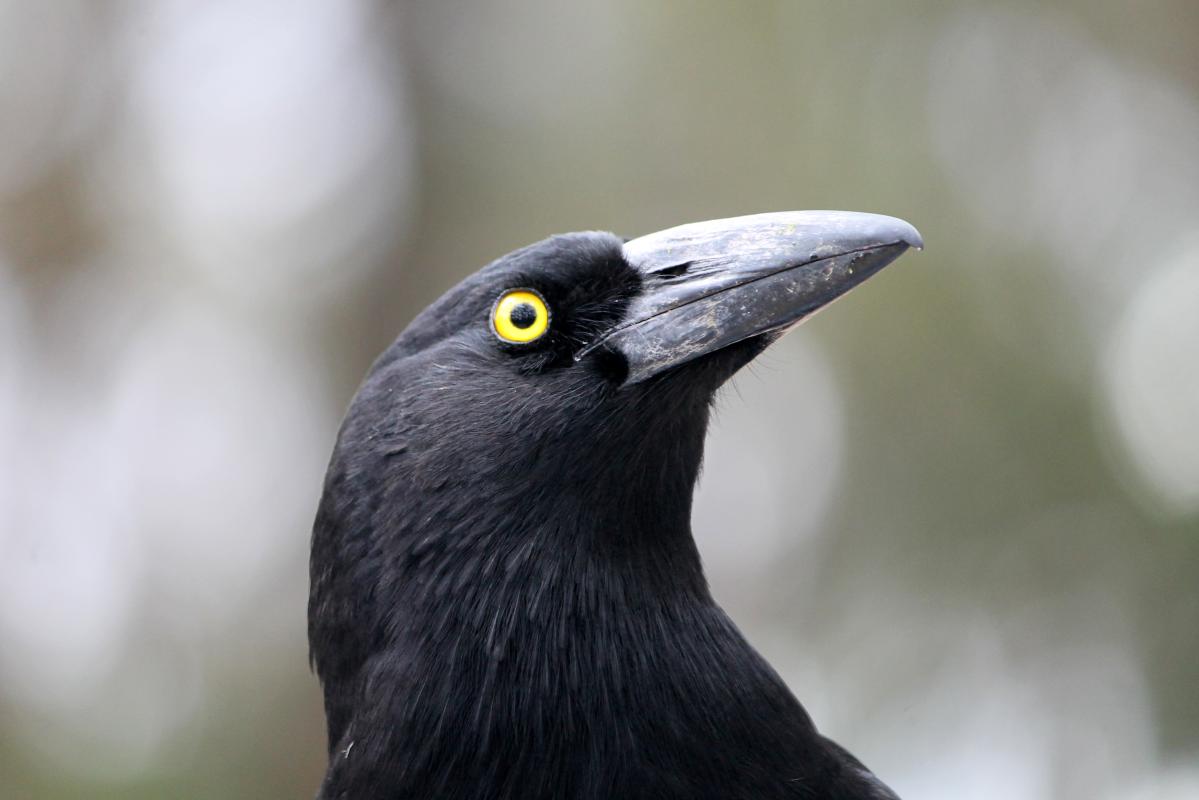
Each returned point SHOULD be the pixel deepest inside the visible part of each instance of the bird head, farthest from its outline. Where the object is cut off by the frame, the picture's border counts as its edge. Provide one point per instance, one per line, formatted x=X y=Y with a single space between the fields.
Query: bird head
x=509 y=499
x=572 y=357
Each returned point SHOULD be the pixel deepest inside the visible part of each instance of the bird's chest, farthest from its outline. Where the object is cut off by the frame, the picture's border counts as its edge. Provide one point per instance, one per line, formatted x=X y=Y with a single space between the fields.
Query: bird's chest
x=591 y=706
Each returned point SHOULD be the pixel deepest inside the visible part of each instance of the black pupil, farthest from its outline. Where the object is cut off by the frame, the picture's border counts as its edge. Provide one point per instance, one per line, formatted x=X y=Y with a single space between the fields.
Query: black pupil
x=523 y=316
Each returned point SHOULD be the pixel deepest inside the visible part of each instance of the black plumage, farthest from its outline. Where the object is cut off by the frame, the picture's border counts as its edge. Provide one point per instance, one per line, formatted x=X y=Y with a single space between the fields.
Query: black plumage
x=506 y=599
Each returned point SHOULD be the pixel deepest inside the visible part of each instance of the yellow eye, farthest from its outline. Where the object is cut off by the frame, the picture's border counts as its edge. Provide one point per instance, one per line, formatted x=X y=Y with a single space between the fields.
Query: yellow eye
x=520 y=316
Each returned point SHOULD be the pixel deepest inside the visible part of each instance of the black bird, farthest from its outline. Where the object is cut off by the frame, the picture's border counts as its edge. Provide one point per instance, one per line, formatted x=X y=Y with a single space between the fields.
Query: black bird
x=506 y=598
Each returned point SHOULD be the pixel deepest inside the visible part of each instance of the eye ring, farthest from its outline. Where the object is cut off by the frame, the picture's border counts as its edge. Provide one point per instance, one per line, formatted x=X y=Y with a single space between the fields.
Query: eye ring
x=520 y=316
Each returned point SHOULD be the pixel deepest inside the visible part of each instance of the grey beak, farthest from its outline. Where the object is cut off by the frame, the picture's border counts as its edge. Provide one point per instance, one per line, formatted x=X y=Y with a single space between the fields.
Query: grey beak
x=708 y=285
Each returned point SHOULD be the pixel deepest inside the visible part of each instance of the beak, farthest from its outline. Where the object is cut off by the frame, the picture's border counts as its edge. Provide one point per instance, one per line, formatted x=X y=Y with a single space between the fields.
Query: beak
x=709 y=285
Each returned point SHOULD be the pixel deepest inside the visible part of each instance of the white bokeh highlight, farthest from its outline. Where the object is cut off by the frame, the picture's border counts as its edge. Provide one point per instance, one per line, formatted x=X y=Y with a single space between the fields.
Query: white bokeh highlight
x=155 y=501
x=750 y=510
x=250 y=121
x=1150 y=381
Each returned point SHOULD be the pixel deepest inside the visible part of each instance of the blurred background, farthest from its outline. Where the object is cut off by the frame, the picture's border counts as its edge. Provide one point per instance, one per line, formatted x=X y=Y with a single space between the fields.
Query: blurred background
x=965 y=502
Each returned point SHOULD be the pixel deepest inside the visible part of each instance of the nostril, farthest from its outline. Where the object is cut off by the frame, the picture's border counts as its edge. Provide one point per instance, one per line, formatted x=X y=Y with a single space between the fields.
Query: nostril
x=674 y=270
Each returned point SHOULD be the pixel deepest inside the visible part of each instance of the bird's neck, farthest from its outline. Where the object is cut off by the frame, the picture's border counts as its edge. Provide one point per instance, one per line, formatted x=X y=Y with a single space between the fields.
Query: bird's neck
x=534 y=632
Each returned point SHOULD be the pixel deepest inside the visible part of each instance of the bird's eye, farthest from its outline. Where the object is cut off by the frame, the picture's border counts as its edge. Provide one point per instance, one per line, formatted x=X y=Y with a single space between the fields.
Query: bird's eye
x=520 y=316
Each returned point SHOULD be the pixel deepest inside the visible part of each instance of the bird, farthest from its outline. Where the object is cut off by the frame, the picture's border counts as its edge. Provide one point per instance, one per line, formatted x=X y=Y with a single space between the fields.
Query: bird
x=506 y=600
